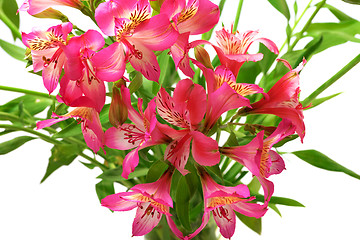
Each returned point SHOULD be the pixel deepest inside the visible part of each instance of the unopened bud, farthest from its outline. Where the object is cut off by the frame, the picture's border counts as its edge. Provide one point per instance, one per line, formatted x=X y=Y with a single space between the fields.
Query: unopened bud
x=118 y=111
x=52 y=13
x=203 y=56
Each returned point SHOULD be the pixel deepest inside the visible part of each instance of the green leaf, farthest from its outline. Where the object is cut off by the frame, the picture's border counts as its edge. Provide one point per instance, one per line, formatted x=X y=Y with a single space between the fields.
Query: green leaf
x=15 y=51
x=136 y=81
x=274 y=207
x=114 y=175
x=13 y=144
x=73 y=129
x=233 y=172
x=248 y=72
x=33 y=104
x=8 y=9
x=337 y=13
x=182 y=203
x=268 y=59
x=319 y=101
x=251 y=222
x=61 y=155
x=156 y=170
x=335 y=33
x=352 y=1
x=320 y=160
x=280 y=200
x=281 y=6
x=104 y=188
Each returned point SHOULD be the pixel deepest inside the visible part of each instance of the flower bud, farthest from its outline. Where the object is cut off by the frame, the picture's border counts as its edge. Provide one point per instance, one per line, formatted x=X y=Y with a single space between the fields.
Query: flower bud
x=203 y=56
x=118 y=112
x=52 y=13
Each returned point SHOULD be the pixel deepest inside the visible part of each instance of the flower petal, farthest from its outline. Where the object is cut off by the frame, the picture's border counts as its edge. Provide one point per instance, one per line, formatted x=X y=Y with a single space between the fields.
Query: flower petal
x=115 y=202
x=126 y=137
x=146 y=219
x=130 y=162
x=205 y=150
x=177 y=152
x=226 y=220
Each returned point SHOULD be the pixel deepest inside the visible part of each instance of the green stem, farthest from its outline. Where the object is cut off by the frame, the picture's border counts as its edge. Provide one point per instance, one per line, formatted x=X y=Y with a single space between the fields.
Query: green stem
x=332 y=80
x=296 y=23
x=10 y=24
x=308 y=23
x=237 y=17
x=20 y=90
x=50 y=140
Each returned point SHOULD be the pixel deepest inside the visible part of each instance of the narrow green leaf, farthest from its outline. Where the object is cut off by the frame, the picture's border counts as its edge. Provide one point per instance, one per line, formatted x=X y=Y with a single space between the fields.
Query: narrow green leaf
x=251 y=222
x=338 y=14
x=182 y=203
x=114 y=175
x=14 y=51
x=233 y=172
x=8 y=9
x=280 y=200
x=156 y=170
x=13 y=144
x=61 y=155
x=274 y=207
x=319 y=101
x=33 y=104
x=352 y=1
x=268 y=59
x=320 y=160
x=281 y=6
x=73 y=129
x=104 y=188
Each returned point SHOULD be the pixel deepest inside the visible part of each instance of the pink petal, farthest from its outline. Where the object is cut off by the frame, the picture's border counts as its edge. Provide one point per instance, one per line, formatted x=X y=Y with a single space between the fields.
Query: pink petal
x=204 y=222
x=126 y=137
x=146 y=219
x=226 y=220
x=51 y=73
x=115 y=202
x=277 y=163
x=174 y=228
x=205 y=150
x=269 y=44
x=94 y=90
x=250 y=209
x=130 y=162
x=110 y=63
x=177 y=152
x=50 y=122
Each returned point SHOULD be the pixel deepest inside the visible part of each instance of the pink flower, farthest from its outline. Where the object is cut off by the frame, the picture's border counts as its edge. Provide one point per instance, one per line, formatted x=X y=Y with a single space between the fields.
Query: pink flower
x=222 y=201
x=143 y=133
x=193 y=16
x=186 y=109
x=36 y=6
x=152 y=201
x=80 y=69
x=90 y=125
x=47 y=52
x=258 y=157
x=283 y=99
x=232 y=48
x=136 y=33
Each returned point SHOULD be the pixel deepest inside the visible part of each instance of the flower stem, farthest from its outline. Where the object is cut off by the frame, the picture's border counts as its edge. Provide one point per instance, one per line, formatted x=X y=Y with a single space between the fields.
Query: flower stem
x=25 y=91
x=10 y=24
x=307 y=25
x=237 y=17
x=332 y=80
x=50 y=140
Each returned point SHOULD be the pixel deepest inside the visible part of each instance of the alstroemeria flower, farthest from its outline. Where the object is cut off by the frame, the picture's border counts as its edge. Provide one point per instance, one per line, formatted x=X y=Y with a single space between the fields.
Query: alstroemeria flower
x=232 y=48
x=186 y=109
x=283 y=99
x=222 y=201
x=136 y=33
x=90 y=125
x=47 y=53
x=258 y=157
x=36 y=6
x=143 y=133
x=152 y=201
x=193 y=16
x=79 y=66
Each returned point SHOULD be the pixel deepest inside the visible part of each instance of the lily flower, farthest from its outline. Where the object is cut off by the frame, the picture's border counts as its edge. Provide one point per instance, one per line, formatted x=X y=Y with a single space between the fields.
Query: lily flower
x=136 y=33
x=152 y=201
x=283 y=99
x=232 y=48
x=143 y=133
x=186 y=110
x=47 y=52
x=90 y=125
x=80 y=67
x=222 y=201
x=258 y=157
x=34 y=7
x=193 y=16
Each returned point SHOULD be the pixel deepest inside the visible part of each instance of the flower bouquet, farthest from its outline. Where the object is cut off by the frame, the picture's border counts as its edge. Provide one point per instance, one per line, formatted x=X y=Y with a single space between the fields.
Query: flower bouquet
x=187 y=115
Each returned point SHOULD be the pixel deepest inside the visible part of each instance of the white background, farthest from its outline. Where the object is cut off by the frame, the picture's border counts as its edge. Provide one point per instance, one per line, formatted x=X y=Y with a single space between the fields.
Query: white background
x=65 y=206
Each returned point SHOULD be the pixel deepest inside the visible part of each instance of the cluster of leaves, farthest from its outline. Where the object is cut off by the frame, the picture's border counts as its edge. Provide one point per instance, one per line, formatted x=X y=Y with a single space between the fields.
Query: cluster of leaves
x=22 y=113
